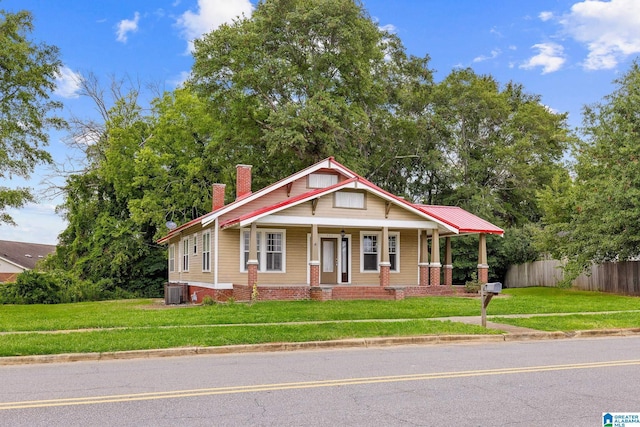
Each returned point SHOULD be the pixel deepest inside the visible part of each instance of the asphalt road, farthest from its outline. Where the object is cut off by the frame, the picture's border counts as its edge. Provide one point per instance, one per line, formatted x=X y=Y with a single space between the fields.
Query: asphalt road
x=534 y=383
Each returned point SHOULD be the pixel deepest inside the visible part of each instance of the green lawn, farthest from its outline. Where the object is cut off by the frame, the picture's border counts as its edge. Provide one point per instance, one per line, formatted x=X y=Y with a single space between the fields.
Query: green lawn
x=576 y=322
x=147 y=312
x=146 y=323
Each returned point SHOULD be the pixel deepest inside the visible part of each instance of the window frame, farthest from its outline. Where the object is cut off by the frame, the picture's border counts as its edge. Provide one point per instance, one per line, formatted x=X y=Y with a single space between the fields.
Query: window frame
x=172 y=258
x=185 y=255
x=261 y=235
x=378 y=234
x=206 y=251
x=336 y=195
x=195 y=244
x=320 y=178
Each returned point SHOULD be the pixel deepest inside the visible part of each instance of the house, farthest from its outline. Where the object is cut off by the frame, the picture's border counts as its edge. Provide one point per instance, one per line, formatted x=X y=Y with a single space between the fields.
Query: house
x=322 y=233
x=16 y=257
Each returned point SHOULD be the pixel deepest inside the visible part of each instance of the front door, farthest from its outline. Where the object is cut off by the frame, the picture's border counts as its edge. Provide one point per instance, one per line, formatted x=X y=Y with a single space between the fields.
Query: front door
x=329 y=261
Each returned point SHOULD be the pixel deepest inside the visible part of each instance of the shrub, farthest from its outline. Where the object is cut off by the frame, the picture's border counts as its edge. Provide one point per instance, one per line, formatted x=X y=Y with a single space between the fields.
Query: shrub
x=472 y=286
x=207 y=300
x=35 y=287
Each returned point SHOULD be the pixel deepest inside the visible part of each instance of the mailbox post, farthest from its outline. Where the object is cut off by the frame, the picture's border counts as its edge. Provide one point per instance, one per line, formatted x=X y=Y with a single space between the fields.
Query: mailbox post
x=487 y=291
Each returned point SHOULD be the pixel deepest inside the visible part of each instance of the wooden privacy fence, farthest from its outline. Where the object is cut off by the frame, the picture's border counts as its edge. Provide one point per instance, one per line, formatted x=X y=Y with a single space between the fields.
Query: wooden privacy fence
x=614 y=277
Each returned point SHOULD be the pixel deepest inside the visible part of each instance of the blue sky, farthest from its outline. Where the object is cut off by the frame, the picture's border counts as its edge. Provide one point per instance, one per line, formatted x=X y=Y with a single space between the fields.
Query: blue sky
x=566 y=51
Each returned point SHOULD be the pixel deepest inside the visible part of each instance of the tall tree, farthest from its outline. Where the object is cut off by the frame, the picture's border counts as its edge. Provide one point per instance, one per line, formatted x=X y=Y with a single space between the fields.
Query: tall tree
x=303 y=80
x=595 y=217
x=27 y=77
x=103 y=242
x=500 y=144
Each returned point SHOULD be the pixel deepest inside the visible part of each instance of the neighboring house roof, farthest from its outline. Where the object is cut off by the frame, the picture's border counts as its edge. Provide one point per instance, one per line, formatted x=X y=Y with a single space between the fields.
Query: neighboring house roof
x=463 y=221
x=24 y=255
x=453 y=219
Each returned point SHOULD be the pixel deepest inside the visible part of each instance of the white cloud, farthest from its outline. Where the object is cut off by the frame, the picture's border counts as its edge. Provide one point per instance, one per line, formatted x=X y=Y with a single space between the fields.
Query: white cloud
x=389 y=28
x=609 y=29
x=68 y=83
x=545 y=16
x=36 y=223
x=550 y=57
x=494 y=54
x=209 y=16
x=179 y=80
x=127 y=26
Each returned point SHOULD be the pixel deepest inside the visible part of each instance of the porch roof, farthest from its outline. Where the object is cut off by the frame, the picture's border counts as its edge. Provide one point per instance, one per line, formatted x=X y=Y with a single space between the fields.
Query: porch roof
x=465 y=222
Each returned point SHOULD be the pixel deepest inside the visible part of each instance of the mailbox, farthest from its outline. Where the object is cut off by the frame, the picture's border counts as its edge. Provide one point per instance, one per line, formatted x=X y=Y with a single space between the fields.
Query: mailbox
x=493 y=288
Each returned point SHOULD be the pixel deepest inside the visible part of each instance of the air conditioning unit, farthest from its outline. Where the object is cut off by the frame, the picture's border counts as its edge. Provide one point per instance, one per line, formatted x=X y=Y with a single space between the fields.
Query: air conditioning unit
x=173 y=294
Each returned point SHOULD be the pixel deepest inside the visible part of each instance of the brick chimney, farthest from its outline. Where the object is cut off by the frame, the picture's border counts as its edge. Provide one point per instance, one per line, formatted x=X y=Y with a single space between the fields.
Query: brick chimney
x=217 y=198
x=243 y=180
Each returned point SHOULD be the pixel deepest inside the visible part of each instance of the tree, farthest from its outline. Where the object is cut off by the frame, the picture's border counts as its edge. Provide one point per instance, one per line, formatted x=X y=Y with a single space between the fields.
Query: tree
x=300 y=81
x=602 y=204
x=103 y=243
x=27 y=78
x=500 y=144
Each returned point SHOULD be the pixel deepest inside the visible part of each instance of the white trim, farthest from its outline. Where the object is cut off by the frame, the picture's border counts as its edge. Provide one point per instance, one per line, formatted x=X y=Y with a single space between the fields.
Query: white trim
x=337 y=236
x=21 y=267
x=379 y=251
x=206 y=233
x=340 y=222
x=194 y=243
x=172 y=246
x=378 y=235
x=325 y=164
x=184 y=243
x=395 y=234
x=359 y=185
x=206 y=285
x=215 y=255
x=263 y=250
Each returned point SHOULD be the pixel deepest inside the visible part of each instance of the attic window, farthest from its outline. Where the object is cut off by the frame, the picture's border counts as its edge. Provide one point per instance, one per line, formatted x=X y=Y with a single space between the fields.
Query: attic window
x=349 y=199
x=322 y=180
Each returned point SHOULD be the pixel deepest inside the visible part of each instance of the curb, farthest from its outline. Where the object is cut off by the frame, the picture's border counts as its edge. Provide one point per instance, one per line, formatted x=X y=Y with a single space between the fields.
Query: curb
x=312 y=345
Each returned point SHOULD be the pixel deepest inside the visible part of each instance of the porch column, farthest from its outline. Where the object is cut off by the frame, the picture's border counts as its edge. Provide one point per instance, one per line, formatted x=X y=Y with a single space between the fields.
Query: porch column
x=434 y=267
x=252 y=262
x=314 y=262
x=448 y=264
x=424 y=261
x=483 y=267
x=385 y=265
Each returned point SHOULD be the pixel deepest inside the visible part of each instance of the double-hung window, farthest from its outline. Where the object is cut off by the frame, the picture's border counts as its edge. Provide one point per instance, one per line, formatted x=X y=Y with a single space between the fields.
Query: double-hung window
x=206 y=252
x=172 y=258
x=270 y=246
x=393 y=252
x=185 y=255
x=371 y=251
x=274 y=252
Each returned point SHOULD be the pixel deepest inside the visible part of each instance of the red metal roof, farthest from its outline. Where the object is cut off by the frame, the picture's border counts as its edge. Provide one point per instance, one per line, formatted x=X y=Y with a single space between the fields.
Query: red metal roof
x=464 y=221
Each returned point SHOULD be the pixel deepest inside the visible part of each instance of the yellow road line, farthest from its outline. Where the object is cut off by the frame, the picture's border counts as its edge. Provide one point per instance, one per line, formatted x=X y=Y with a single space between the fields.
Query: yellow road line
x=303 y=385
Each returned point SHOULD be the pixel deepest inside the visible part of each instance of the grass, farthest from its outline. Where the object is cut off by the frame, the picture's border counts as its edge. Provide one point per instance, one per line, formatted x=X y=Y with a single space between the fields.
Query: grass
x=147 y=324
x=575 y=322
x=147 y=312
x=156 y=338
